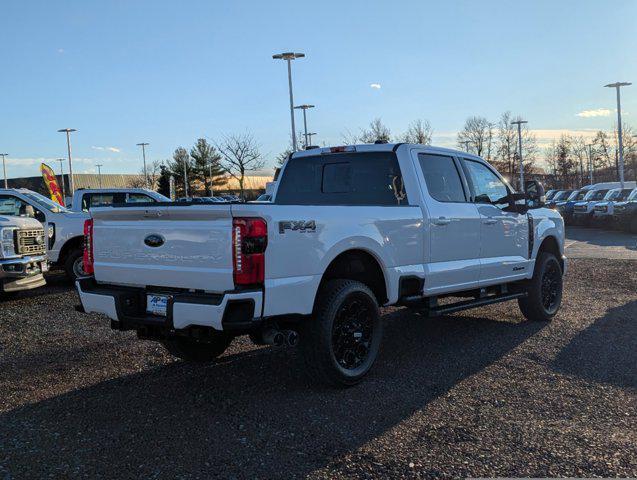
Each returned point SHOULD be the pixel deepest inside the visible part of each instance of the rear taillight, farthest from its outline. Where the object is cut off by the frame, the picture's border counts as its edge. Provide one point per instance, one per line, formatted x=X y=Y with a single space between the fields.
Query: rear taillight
x=249 y=240
x=88 y=246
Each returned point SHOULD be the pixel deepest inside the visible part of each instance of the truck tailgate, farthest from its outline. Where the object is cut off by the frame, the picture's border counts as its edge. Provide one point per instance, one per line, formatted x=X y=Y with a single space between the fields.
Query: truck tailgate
x=164 y=246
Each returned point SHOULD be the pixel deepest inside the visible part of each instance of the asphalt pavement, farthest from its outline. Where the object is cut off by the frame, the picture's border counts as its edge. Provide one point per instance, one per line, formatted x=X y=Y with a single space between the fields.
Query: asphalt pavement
x=478 y=393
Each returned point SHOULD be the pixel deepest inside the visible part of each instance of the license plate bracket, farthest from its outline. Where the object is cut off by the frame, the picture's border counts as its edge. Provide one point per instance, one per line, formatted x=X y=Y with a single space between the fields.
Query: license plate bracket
x=157 y=304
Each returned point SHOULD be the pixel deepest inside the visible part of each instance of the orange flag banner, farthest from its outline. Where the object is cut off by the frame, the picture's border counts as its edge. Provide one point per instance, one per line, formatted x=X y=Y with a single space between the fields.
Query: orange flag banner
x=51 y=183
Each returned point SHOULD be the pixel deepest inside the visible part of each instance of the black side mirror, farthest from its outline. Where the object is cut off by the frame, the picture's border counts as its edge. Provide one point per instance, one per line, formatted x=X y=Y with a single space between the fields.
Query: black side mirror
x=535 y=195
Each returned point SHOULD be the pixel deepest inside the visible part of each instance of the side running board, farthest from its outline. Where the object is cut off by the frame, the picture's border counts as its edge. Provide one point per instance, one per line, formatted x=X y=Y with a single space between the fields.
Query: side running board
x=478 y=302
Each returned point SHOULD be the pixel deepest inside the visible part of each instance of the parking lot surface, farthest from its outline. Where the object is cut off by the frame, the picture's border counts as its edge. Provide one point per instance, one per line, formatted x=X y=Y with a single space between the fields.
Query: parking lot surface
x=479 y=393
x=597 y=243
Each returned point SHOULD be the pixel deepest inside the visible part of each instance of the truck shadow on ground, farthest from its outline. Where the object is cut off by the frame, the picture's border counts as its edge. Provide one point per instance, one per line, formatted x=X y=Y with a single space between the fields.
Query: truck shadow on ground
x=606 y=351
x=252 y=414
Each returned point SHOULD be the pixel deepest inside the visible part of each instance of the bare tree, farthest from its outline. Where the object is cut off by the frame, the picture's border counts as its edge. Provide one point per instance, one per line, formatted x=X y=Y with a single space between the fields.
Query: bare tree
x=152 y=170
x=562 y=162
x=282 y=157
x=476 y=131
x=418 y=131
x=240 y=154
x=580 y=152
x=349 y=138
x=507 y=144
x=377 y=132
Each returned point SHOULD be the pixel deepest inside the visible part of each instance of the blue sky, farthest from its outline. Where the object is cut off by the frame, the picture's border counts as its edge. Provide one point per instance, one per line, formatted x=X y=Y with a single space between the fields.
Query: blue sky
x=168 y=72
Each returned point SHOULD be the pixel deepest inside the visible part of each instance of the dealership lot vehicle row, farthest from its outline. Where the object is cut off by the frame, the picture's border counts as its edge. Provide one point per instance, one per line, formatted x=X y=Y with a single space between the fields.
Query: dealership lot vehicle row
x=476 y=393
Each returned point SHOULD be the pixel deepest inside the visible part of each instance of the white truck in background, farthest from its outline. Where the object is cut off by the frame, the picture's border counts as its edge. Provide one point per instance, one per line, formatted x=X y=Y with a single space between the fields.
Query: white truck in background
x=22 y=252
x=349 y=229
x=64 y=229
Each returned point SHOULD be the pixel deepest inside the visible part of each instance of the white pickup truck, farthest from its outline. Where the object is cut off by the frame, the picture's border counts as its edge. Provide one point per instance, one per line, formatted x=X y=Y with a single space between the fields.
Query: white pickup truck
x=64 y=229
x=349 y=229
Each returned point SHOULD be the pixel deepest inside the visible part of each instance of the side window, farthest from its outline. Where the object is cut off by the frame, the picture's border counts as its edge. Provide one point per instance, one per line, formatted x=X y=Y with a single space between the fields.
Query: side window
x=101 y=200
x=487 y=185
x=138 y=198
x=442 y=178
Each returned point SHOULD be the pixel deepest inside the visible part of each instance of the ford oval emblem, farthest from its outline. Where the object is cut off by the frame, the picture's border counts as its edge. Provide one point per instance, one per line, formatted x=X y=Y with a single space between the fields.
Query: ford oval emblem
x=154 y=240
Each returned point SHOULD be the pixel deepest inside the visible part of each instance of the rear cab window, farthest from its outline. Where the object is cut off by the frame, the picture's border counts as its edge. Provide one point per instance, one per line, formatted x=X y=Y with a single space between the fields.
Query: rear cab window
x=356 y=178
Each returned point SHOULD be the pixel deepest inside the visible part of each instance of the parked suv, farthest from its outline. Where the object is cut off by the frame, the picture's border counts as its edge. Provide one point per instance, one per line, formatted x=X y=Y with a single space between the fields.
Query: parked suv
x=22 y=250
x=349 y=229
x=565 y=207
x=603 y=211
x=625 y=213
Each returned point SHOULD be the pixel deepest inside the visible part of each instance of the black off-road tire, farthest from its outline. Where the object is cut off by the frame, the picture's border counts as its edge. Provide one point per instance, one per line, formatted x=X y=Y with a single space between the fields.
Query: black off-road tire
x=544 y=291
x=192 y=350
x=338 y=344
x=71 y=264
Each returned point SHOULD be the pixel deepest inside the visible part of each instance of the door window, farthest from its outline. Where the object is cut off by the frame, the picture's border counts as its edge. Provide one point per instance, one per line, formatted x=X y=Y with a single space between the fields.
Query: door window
x=487 y=186
x=442 y=178
x=138 y=198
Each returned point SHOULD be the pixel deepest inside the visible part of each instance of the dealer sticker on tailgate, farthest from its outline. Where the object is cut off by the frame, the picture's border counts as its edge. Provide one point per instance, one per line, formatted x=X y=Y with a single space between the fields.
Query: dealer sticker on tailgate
x=157 y=304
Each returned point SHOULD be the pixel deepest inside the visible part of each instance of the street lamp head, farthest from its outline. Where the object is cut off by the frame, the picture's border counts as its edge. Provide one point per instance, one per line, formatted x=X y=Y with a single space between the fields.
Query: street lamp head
x=288 y=56
x=304 y=107
x=618 y=84
x=519 y=122
x=4 y=154
x=143 y=144
x=67 y=130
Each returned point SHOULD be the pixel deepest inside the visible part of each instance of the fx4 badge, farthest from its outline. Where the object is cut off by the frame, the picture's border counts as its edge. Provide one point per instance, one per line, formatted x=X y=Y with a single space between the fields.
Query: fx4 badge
x=297 y=225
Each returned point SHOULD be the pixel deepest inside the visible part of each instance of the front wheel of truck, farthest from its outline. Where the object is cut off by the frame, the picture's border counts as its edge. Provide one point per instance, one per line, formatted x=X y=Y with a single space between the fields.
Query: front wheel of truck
x=544 y=291
x=192 y=350
x=341 y=341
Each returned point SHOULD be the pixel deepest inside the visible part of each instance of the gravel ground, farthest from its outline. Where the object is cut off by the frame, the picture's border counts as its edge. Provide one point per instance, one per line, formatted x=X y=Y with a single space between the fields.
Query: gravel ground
x=480 y=393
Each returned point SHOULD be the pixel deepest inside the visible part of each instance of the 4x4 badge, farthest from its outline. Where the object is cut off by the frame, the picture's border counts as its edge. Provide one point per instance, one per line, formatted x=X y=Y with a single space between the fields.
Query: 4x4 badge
x=297 y=225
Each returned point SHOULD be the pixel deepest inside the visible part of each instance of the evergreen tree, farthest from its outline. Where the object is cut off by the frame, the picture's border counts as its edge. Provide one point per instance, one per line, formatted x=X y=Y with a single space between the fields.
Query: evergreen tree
x=176 y=167
x=163 y=182
x=206 y=165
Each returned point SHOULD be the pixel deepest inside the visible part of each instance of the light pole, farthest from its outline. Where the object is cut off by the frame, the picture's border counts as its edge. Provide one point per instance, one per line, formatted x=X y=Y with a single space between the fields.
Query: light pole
x=519 y=123
x=61 y=160
x=4 y=168
x=304 y=107
x=99 y=172
x=288 y=57
x=309 y=136
x=466 y=145
x=590 y=162
x=186 y=177
x=617 y=86
x=68 y=147
x=144 y=145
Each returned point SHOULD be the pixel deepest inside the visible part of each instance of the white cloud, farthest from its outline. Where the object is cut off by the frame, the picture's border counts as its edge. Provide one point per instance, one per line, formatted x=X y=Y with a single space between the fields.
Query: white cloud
x=375 y=85
x=598 y=112
x=110 y=149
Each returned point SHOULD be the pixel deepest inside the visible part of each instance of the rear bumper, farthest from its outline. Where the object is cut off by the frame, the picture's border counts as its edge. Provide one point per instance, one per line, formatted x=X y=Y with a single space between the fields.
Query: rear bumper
x=126 y=307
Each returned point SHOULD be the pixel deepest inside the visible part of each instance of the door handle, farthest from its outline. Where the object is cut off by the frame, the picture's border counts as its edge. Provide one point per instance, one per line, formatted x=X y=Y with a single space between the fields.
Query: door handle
x=441 y=221
x=490 y=221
